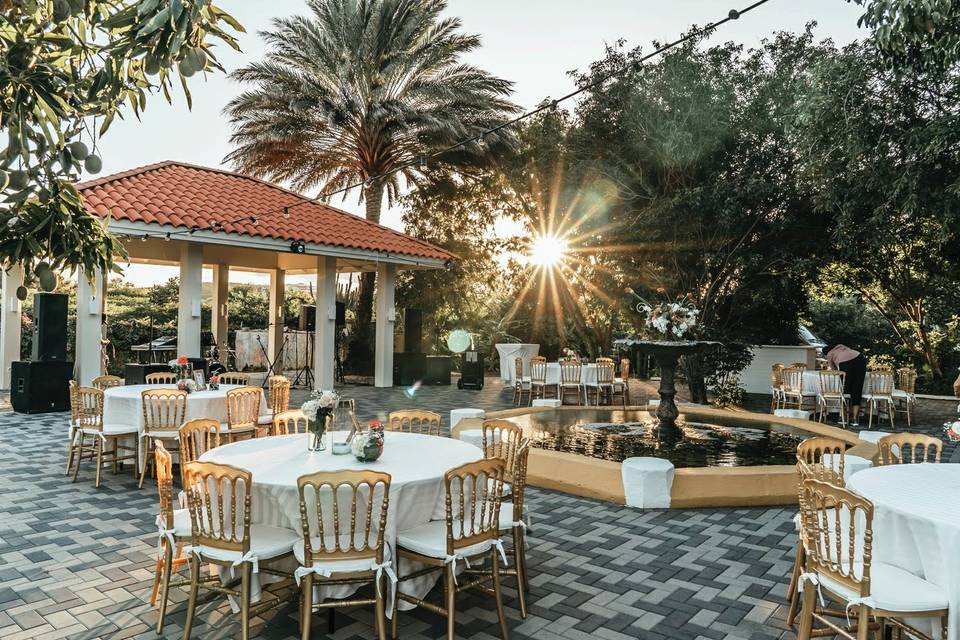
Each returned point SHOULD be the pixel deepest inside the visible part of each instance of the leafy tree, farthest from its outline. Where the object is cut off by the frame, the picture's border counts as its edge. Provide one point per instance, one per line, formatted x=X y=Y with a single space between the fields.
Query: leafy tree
x=356 y=90
x=880 y=151
x=67 y=68
x=914 y=34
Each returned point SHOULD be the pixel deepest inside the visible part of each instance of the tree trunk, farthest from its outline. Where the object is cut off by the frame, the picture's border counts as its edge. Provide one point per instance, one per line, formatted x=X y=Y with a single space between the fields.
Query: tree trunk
x=360 y=355
x=693 y=367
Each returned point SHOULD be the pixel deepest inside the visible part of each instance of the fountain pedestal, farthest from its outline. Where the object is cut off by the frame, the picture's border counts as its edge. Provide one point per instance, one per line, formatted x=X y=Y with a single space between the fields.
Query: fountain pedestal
x=667 y=354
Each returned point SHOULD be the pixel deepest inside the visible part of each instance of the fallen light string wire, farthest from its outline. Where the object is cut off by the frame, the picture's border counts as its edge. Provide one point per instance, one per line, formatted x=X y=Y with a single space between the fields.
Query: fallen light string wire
x=545 y=105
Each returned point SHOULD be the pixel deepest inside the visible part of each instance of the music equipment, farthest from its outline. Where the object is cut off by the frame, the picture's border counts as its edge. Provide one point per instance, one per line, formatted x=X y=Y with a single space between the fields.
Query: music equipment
x=308 y=317
x=40 y=387
x=136 y=373
x=438 y=370
x=408 y=368
x=341 y=314
x=412 y=330
x=471 y=371
x=49 y=327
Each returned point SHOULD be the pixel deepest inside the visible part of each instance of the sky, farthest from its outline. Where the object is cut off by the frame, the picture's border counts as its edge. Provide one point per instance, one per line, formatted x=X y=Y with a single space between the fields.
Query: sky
x=533 y=43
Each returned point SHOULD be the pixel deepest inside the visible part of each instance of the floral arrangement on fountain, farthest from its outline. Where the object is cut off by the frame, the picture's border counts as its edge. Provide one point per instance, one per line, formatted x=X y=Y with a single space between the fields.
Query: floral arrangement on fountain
x=668 y=317
x=570 y=354
x=952 y=430
x=368 y=446
x=318 y=411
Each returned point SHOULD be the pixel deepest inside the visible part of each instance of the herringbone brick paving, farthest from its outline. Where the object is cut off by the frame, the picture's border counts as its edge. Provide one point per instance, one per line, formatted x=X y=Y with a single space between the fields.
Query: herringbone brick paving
x=77 y=562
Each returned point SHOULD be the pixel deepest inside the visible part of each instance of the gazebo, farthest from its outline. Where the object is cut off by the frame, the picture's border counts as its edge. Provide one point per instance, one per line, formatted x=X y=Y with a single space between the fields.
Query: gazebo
x=176 y=213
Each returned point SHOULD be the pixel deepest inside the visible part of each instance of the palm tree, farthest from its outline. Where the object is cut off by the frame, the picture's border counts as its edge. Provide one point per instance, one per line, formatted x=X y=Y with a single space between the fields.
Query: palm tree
x=354 y=91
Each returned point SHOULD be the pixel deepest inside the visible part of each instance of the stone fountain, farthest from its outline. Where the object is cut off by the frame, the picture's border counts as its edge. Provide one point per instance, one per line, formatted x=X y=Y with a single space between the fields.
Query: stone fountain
x=667 y=354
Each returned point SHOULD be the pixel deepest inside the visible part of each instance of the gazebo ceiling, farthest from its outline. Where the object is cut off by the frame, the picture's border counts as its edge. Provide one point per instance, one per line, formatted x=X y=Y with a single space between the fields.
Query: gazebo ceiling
x=243 y=216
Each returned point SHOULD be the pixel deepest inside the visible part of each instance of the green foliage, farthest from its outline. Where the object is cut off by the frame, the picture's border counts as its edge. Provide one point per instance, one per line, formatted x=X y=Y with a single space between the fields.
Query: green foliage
x=64 y=66
x=914 y=34
x=722 y=366
x=847 y=320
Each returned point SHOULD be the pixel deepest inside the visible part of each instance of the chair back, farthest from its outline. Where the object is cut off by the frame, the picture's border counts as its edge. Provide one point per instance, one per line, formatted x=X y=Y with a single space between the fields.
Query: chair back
x=161 y=377
x=837 y=533
x=519 y=479
x=600 y=359
x=605 y=371
x=821 y=458
x=105 y=382
x=163 y=409
x=538 y=371
x=501 y=439
x=799 y=365
x=909 y=448
x=290 y=422
x=776 y=374
x=570 y=372
x=343 y=514
x=538 y=358
x=243 y=407
x=831 y=383
x=518 y=370
x=414 y=421
x=234 y=377
x=625 y=369
x=907 y=379
x=89 y=411
x=279 y=390
x=219 y=500
x=473 y=494
x=793 y=379
x=881 y=383
x=164 y=464
x=196 y=438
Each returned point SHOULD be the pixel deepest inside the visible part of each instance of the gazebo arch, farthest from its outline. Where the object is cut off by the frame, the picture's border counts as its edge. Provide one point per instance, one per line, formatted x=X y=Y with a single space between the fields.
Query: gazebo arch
x=177 y=213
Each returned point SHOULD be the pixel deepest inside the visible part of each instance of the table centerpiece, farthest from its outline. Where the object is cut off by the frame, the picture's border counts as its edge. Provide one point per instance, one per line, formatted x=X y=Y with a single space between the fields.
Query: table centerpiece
x=319 y=412
x=368 y=446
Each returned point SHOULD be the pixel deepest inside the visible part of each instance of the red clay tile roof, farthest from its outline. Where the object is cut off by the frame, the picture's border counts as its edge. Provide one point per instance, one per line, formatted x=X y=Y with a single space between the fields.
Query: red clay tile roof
x=193 y=197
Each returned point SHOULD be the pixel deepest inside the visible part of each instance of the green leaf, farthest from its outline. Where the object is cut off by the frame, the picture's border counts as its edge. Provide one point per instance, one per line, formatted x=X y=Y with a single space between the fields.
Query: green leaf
x=155 y=22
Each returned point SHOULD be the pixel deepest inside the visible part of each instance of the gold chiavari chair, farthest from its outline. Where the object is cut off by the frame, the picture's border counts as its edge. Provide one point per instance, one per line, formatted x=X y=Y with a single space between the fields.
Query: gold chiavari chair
x=880 y=395
x=161 y=377
x=521 y=383
x=105 y=382
x=818 y=458
x=799 y=365
x=343 y=515
x=197 y=436
x=501 y=439
x=174 y=529
x=904 y=393
x=571 y=378
x=290 y=422
x=837 y=531
x=243 y=412
x=600 y=359
x=219 y=496
x=279 y=394
x=777 y=399
x=538 y=379
x=831 y=398
x=621 y=384
x=164 y=411
x=793 y=394
x=234 y=377
x=909 y=448
x=72 y=427
x=89 y=423
x=604 y=383
x=469 y=532
x=414 y=421
x=512 y=523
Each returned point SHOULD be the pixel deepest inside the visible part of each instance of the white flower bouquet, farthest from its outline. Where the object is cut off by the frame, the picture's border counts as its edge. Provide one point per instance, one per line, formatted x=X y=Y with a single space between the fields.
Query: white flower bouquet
x=670 y=318
x=318 y=410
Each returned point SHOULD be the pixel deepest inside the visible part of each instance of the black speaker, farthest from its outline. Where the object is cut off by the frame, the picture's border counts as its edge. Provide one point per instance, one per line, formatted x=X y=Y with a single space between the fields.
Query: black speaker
x=40 y=387
x=308 y=317
x=136 y=373
x=341 y=314
x=412 y=330
x=49 y=327
x=408 y=368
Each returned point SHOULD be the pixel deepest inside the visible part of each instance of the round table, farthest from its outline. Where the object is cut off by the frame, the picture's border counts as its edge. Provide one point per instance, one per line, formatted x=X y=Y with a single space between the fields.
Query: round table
x=916 y=525
x=416 y=464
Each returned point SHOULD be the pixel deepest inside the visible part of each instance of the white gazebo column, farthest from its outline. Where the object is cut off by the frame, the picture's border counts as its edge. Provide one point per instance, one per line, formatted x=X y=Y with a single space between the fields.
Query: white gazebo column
x=9 y=322
x=90 y=304
x=188 y=312
x=278 y=287
x=386 y=317
x=324 y=366
x=219 y=313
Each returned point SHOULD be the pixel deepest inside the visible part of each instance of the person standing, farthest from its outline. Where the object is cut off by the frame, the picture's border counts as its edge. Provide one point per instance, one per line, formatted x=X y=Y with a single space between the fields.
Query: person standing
x=854 y=364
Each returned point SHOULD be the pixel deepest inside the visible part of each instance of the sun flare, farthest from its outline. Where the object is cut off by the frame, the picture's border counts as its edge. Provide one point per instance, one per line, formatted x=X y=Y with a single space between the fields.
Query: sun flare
x=547 y=250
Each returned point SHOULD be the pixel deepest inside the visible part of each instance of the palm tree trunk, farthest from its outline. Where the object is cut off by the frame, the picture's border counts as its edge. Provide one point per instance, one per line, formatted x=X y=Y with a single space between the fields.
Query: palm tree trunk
x=360 y=355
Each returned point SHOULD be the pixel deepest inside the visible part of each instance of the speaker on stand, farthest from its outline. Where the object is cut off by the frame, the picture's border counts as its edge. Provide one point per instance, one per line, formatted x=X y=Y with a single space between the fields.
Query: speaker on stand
x=49 y=327
x=42 y=384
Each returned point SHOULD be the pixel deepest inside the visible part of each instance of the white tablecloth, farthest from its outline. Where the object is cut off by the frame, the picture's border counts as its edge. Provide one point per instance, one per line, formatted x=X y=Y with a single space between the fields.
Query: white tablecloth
x=123 y=405
x=916 y=524
x=416 y=464
x=811 y=382
x=508 y=353
x=588 y=373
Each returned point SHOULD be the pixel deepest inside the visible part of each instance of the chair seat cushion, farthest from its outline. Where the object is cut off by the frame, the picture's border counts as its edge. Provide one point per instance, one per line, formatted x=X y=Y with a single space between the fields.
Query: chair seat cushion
x=349 y=565
x=894 y=589
x=225 y=428
x=901 y=394
x=162 y=435
x=265 y=421
x=265 y=542
x=431 y=540
x=181 y=523
x=507 y=521
x=112 y=430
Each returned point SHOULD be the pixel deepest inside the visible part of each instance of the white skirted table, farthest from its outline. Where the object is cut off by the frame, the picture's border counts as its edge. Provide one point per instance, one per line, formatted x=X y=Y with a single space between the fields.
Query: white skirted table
x=123 y=405
x=416 y=464
x=509 y=352
x=916 y=525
